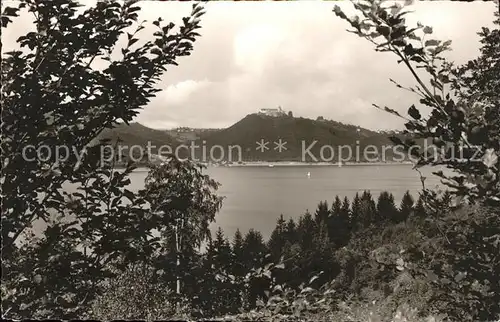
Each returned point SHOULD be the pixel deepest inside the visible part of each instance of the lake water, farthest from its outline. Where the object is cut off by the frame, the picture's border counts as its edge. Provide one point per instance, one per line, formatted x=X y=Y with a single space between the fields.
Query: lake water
x=256 y=196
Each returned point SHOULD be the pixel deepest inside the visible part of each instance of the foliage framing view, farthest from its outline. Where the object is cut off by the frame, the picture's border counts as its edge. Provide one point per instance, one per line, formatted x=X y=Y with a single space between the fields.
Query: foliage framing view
x=53 y=96
x=463 y=102
x=107 y=252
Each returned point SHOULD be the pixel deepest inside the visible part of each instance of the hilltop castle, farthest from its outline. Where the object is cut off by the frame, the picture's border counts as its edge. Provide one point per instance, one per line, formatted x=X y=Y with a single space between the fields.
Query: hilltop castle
x=272 y=111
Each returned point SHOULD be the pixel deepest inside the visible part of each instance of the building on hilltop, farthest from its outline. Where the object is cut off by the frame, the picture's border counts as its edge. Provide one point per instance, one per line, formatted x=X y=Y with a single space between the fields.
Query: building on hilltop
x=272 y=111
x=184 y=129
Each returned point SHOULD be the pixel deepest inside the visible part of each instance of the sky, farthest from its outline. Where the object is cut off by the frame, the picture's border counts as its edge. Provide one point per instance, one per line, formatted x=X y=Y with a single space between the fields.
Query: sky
x=297 y=55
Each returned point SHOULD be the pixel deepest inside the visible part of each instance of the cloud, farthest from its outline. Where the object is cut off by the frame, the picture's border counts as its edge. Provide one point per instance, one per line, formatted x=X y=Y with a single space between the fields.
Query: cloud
x=254 y=55
x=255 y=45
x=180 y=92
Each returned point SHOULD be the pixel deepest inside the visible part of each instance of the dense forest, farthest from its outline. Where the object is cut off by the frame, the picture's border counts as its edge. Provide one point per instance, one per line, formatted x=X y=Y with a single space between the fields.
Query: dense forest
x=109 y=253
x=356 y=251
x=229 y=276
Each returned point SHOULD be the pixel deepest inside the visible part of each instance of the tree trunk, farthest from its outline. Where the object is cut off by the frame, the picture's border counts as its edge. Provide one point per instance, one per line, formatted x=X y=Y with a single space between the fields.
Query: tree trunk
x=178 y=261
x=178 y=265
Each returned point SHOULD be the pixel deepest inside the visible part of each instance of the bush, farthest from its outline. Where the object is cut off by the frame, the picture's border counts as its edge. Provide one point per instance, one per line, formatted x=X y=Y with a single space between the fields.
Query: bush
x=137 y=293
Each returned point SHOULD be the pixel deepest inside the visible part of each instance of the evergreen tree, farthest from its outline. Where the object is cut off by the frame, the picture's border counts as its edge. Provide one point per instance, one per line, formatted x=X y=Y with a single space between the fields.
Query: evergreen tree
x=306 y=230
x=355 y=212
x=386 y=208
x=322 y=213
x=321 y=257
x=338 y=224
x=291 y=232
x=218 y=294
x=290 y=249
x=346 y=212
x=277 y=240
x=346 y=206
x=254 y=252
x=253 y=249
x=239 y=269
x=237 y=241
x=291 y=239
x=344 y=225
x=238 y=258
x=367 y=209
x=219 y=251
x=336 y=206
x=332 y=220
x=406 y=207
x=320 y=239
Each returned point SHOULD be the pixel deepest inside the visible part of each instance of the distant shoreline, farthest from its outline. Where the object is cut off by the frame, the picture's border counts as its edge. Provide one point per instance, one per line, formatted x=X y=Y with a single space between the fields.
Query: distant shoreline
x=306 y=164
x=293 y=164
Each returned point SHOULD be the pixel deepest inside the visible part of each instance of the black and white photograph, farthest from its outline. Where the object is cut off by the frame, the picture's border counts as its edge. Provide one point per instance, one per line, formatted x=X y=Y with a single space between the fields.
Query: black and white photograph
x=250 y=160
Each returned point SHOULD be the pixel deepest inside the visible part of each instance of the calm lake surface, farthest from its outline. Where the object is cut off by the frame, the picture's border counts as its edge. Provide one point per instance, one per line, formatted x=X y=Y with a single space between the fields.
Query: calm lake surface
x=256 y=196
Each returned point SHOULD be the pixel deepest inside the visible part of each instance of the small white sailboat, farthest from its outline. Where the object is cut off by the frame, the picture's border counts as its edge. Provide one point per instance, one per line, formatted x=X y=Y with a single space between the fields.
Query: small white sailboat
x=308 y=174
